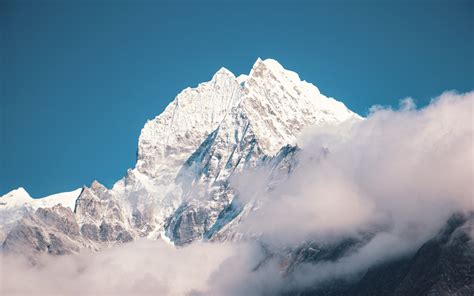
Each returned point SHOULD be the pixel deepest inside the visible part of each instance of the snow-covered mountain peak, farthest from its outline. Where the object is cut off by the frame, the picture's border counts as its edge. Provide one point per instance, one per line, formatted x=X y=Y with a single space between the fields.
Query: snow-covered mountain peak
x=166 y=141
x=20 y=197
x=222 y=72
x=280 y=105
x=271 y=67
x=180 y=185
x=16 y=197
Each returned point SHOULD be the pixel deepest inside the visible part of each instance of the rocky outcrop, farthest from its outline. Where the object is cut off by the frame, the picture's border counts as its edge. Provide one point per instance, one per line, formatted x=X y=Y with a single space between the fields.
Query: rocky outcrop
x=47 y=230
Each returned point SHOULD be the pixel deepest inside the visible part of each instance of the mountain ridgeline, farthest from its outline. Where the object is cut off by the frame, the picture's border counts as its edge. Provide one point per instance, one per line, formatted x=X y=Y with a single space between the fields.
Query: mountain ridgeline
x=179 y=189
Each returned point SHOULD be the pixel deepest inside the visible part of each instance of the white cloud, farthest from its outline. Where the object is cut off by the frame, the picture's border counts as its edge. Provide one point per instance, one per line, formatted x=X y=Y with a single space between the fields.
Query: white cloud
x=139 y=268
x=404 y=166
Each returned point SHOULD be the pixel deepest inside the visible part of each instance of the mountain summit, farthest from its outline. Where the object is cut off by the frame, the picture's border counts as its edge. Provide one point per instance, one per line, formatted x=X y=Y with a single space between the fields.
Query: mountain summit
x=179 y=189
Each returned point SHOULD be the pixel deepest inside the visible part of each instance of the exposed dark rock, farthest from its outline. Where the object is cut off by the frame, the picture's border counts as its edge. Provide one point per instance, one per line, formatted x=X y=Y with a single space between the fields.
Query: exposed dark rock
x=59 y=217
x=90 y=231
x=188 y=224
x=25 y=237
x=124 y=237
x=57 y=246
x=106 y=232
x=442 y=266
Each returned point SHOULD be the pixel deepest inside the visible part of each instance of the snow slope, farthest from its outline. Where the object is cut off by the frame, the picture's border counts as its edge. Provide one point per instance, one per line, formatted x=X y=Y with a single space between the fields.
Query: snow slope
x=16 y=203
x=19 y=197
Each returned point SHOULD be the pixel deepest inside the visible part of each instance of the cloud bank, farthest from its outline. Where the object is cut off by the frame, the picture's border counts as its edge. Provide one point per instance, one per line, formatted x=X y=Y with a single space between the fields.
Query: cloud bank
x=404 y=167
x=139 y=268
x=398 y=174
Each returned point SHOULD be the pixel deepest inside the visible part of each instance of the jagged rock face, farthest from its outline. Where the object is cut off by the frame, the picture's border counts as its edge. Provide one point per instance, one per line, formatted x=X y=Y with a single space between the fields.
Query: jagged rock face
x=102 y=216
x=277 y=169
x=205 y=177
x=18 y=203
x=47 y=230
x=180 y=186
x=96 y=205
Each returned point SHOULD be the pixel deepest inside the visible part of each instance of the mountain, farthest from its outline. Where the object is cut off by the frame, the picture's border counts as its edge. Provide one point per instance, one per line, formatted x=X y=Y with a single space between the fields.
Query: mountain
x=179 y=189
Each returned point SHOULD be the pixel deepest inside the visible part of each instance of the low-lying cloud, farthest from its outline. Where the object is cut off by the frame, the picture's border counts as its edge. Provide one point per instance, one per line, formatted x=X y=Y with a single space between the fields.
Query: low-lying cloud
x=404 y=167
x=140 y=268
x=398 y=174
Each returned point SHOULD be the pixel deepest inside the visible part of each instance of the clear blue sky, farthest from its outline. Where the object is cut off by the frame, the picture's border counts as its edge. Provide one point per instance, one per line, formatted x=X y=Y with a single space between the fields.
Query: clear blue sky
x=79 y=80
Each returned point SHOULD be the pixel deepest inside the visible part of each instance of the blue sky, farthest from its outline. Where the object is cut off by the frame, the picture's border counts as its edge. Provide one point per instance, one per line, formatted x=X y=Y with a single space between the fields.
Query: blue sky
x=79 y=79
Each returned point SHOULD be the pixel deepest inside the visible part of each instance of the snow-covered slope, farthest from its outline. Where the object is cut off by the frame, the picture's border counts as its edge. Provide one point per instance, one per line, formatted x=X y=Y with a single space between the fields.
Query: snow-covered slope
x=280 y=105
x=15 y=198
x=180 y=189
x=19 y=197
x=167 y=141
x=16 y=203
